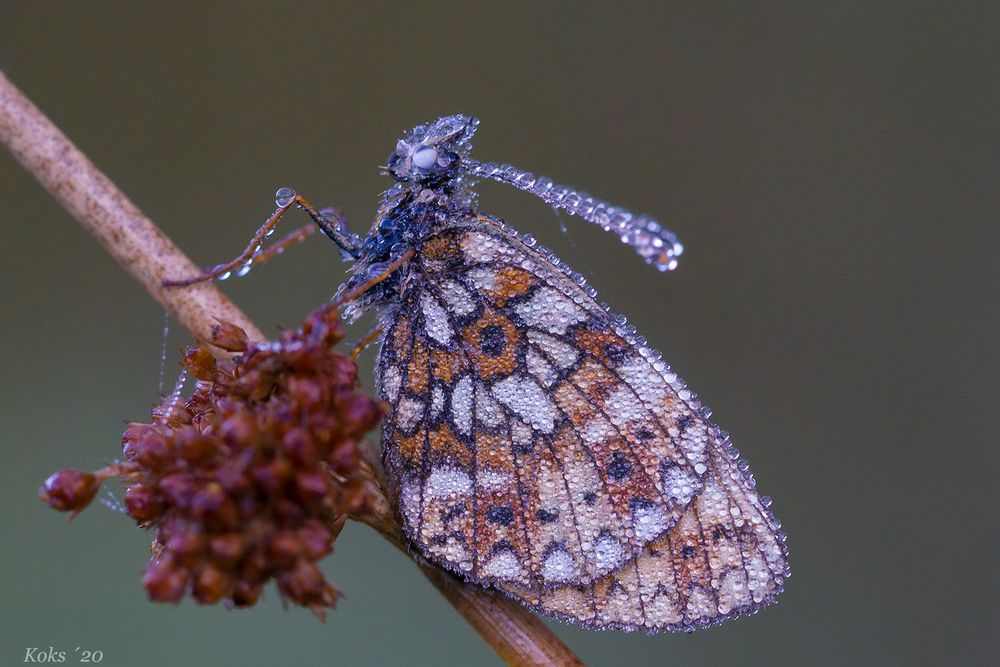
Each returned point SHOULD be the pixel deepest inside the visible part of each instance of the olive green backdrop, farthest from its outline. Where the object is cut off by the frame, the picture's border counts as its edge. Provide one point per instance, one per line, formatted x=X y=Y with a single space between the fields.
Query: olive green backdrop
x=832 y=171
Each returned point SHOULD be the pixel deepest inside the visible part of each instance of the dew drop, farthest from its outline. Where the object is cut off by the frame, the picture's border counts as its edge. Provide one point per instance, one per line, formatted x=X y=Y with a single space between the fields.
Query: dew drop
x=284 y=195
x=425 y=157
x=225 y=276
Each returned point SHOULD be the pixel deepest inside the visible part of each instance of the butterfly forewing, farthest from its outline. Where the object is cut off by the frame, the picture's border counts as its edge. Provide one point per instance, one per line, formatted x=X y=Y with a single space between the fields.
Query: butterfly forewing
x=532 y=446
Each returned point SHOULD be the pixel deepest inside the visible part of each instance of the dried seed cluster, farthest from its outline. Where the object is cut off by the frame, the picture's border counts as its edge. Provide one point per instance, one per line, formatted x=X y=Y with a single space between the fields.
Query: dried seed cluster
x=251 y=476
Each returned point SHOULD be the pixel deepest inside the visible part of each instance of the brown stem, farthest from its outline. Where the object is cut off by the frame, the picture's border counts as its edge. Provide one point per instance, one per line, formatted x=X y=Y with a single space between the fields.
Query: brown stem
x=146 y=252
x=90 y=197
x=518 y=637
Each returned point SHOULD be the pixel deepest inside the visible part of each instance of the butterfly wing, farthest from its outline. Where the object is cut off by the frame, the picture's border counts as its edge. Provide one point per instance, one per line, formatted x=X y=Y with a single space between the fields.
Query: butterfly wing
x=725 y=557
x=533 y=444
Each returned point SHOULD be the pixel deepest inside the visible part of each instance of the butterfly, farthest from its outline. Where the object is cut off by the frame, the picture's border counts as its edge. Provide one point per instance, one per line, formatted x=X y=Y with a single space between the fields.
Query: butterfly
x=534 y=442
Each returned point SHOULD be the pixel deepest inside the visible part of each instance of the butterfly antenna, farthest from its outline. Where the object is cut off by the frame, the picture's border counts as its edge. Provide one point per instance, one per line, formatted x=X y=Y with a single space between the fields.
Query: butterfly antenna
x=658 y=246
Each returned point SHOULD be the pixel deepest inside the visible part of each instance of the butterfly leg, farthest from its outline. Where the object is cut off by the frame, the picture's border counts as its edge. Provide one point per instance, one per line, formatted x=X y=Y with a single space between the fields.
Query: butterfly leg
x=373 y=280
x=328 y=220
x=297 y=236
x=369 y=338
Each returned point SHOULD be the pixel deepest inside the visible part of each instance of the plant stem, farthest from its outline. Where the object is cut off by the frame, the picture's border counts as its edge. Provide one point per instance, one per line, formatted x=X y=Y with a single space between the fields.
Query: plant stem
x=118 y=224
x=519 y=637
x=138 y=245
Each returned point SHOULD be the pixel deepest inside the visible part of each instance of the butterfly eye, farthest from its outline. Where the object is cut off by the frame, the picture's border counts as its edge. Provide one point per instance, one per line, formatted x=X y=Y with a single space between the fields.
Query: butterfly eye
x=393 y=163
x=425 y=157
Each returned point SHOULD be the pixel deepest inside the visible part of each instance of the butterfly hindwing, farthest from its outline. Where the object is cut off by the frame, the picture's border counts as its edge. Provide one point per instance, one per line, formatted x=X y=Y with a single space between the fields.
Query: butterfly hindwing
x=725 y=557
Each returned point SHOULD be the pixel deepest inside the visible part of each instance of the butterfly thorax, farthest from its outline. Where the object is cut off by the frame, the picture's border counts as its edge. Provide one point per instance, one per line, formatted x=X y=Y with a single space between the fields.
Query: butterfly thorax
x=404 y=220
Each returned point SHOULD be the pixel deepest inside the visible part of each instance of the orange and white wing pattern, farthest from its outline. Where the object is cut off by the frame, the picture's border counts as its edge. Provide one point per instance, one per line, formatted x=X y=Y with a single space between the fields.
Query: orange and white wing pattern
x=535 y=444
x=725 y=557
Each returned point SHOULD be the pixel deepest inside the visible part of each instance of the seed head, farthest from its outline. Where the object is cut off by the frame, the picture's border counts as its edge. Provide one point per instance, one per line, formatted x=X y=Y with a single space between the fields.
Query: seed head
x=249 y=478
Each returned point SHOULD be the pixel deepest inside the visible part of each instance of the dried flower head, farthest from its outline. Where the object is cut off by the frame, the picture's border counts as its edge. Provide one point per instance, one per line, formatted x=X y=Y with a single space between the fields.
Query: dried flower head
x=250 y=478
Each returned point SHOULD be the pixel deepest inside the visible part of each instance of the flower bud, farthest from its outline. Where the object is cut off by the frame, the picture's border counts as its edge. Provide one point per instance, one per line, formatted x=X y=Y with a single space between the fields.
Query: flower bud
x=152 y=451
x=270 y=477
x=303 y=583
x=192 y=446
x=284 y=549
x=359 y=413
x=210 y=585
x=229 y=337
x=344 y=456
x=178 y=488
x=316 y=539
x=131 y=438
x=199 y=362
x=228 y=548
x=186 y=545
x=164 y=582
x=245 y=593
x=306 y=391
x=299 y=444
x=238 y=430
x=312 y=485
x=143 y=503
x=343 y=371
x=69 y=490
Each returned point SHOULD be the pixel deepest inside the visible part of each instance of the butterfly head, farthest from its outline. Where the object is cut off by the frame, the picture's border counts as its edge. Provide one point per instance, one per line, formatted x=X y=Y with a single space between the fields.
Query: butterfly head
x=431 y=154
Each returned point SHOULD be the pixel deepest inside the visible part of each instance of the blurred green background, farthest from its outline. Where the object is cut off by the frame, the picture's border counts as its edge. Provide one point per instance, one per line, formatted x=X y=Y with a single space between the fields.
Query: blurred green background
x=832 y=171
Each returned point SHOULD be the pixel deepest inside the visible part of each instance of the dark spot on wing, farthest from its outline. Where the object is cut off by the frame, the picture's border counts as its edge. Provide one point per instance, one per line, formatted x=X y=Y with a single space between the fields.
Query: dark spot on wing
x=641 y=504
x=619 y=467
x=492 y=340
x=684 y=422
x=552 y=547
x=720 y=532
x=523 y=449
x=614 y=352
x=502 y=545
x=545 y=516
x=502 y=515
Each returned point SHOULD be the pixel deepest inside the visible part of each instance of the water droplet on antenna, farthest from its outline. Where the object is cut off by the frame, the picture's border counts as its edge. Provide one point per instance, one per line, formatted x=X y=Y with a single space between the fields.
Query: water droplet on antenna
x=284 y=196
